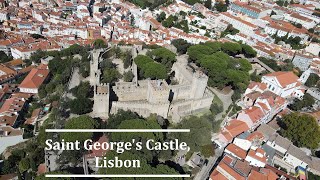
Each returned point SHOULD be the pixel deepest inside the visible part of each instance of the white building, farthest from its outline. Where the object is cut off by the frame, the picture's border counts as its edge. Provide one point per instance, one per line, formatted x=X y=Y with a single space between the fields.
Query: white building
x=283 y=84
x=257 y=158
x=10 y=137
x=313 y=48
x=296 y=157
x=243 y=26
x=302 y=61
x=298 y=19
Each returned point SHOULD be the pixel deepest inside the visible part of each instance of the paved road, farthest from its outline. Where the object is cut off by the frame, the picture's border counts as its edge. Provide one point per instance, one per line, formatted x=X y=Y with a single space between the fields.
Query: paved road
x=205 y=171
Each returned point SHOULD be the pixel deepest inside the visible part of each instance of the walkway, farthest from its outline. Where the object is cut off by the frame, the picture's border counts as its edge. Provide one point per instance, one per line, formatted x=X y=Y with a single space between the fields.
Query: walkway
x=226 y=101
x=256 y=60
x=75 y=79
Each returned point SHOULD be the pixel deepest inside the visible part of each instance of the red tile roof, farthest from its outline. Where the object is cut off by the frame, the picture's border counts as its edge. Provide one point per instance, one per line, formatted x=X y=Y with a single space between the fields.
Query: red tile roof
x=215 y=175
x=236 y=127
x=226 y=169
x=255 y=135
x=237 y=151
x=264 y=174
x=8 y=120
x=284 y=78
x=34 y=116
x=258 y=154
x=254 y=113
x=13 y=104
x=35 y=78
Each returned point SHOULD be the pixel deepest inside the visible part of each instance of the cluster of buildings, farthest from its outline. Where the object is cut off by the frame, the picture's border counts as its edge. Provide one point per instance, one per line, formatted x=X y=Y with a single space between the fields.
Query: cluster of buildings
x=261 y=102
x=258 y=154
x=15 y=98
x=64 y=23
x=252 y=146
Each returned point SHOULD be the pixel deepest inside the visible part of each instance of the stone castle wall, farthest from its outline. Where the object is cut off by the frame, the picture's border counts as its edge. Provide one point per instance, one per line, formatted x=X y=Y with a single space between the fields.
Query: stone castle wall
x=181 y=108
x=180 y=91
x=143 y=108
x=128 y=91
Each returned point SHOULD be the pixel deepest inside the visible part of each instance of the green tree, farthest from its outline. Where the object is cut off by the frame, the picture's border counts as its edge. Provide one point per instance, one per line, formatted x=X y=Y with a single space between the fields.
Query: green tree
x=312 y=80
x=200 y=132
x=236 y=95
x=312 y=176
x=307 y=101
x=221 y=7
x=145 y=168
x=150 y=69
x=196 y=52
x=161 y=16
x=169 y=22
x=81 y=122
x=231 y=48
x=248 y=51
x=208 y=4
x=80 y=106
x=36 y=56
x=24 y=165
x=270 y=62
x=155 y=71
x=216 y=108
x=128 y=76
x=191 y=2
x=181 y=45
x=183 y=25
x=215 y=45
x=229 y=30
x=245 y=65
x=99 y=43
x=115 y=119
x=302 y=129
x=127 y=60
x=138 y=124
x=207 y=150
x=255 y=77
x=163 y=56
x=4 y=58
x=142 y=60
x=85 y=69
x=83 y=90
x=110 y=75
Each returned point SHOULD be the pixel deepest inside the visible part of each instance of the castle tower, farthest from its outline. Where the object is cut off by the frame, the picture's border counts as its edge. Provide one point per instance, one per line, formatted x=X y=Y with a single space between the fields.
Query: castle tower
x=101 y=98
x=158 y=91
x=199 y=84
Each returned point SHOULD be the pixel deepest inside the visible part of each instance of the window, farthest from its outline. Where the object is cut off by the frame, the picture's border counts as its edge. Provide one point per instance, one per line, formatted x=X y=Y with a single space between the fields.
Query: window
x=273 y=89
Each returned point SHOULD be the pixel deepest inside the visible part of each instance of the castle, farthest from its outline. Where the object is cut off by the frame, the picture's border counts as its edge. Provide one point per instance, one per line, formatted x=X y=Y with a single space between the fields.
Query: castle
x=188 y=96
